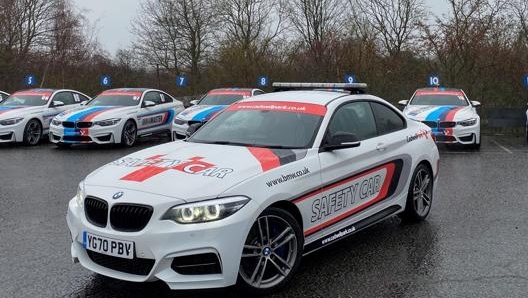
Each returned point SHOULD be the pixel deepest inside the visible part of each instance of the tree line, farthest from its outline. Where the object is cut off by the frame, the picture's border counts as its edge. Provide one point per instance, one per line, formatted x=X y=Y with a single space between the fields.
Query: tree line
x=392 y=45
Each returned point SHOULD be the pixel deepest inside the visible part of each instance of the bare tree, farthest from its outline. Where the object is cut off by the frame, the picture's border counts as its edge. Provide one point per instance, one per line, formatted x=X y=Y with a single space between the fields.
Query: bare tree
x=395 y=21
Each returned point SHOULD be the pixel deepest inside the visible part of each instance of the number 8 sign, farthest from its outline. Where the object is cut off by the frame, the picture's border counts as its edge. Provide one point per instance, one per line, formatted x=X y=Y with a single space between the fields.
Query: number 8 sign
x=263 y=81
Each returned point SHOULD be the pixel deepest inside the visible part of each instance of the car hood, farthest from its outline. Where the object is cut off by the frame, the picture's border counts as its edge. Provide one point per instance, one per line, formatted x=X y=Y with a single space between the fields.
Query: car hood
x=200 y=112
x=7 y=112
x=440 y=113
x=186 y=171
x=95 y=113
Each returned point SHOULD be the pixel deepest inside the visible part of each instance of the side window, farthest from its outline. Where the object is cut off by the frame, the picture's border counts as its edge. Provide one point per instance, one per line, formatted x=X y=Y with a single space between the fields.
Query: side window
x=79 y=97
x=258 y=92
x=387 y=120
x=65 y=97
x=152 y=96
x=356 y=118
x=165 y=98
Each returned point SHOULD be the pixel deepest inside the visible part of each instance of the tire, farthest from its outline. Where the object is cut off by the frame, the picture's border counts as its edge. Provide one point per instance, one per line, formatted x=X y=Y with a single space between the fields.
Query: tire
x=32 y=133
x=129 y=134
x=420 y=195
x=272 y=252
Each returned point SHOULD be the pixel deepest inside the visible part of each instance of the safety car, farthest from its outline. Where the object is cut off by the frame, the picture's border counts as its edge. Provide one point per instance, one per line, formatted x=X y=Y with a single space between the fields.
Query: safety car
x=268 y=180
x=116 y=116
x=210 y=104
x=448 y=111
x=25 y=115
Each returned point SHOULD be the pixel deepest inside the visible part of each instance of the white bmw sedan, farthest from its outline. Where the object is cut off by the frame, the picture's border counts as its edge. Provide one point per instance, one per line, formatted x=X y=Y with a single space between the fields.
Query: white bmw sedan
x=268 y=180
x=116 y=116
x=25 y=115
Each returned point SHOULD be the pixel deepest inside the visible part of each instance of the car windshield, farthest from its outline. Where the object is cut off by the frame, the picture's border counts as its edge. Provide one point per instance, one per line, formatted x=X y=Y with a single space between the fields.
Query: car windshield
x=116 y=99
x=439 y=99
x=220 y=99
x=27 y=99
x=257 y=127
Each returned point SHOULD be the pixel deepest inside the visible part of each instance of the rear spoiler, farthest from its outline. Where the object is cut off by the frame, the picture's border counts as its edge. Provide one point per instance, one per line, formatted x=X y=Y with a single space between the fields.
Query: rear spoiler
x=353 y=88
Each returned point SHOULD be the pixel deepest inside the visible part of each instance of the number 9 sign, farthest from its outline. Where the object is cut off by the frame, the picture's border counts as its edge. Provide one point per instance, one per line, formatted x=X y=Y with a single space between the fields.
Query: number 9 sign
x=106 y=81
x=350 y=78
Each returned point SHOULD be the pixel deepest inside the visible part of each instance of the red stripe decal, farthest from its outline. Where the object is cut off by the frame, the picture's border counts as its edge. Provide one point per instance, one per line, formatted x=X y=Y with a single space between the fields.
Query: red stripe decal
x=243 y=93
x=449 y=117
x=268 y=160
x=382 y=194
x=281 y=106
x=144 y=173
x=451 y=93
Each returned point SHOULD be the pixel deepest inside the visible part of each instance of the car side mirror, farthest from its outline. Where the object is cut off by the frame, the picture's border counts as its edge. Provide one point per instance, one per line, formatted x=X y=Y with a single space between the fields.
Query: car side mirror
x=342 y=140
x=403 y=103
x=193 y=128
x=148 y=104
x=194 y=102
x=57 y=103
x=83 y=103
x=476 y=104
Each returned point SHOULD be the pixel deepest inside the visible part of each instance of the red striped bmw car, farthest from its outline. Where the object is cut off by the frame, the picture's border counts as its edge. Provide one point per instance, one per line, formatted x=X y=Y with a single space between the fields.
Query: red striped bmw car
x=268 y=180
x=451 y=115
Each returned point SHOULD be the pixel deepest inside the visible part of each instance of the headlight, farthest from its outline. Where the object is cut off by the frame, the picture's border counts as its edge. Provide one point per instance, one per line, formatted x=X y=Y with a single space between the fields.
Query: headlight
x=468 y=122
x=11 y=121
x=205 y=211
x=179 y=121
x=79 y=197
x=107 y=122
x=55 y=122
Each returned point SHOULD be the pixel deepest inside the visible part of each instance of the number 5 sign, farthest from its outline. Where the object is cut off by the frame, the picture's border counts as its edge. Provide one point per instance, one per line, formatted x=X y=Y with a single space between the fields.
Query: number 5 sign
x=30 y=80
x=181 y=81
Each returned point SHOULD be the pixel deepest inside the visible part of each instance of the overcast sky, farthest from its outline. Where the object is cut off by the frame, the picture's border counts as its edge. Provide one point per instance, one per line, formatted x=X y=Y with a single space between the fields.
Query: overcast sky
x=113 y=19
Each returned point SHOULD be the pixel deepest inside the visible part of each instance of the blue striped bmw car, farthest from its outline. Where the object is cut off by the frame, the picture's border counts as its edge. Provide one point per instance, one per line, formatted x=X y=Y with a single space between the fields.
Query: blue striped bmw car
x=204 y=109
x=116 y=116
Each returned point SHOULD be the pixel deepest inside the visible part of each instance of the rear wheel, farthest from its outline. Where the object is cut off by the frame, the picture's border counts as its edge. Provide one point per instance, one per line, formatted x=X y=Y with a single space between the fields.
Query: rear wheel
x=32 y=133
x=129 y=134
x=272 y=252
x=420 y=195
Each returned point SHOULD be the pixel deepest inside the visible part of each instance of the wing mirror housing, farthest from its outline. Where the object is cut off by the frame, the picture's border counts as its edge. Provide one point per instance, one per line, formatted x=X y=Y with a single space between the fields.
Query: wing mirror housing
x=57 y=103
x=148 y=104
x=342 y=140
x=403 y=103
x=193 y=128
x=475 y=103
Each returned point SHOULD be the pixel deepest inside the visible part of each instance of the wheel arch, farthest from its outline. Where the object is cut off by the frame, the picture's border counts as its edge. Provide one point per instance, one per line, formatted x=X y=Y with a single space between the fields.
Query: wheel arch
x=290 y=208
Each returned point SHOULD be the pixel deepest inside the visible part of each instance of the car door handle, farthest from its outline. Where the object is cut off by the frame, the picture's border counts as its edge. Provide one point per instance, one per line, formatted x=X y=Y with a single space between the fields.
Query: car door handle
x=381 y=147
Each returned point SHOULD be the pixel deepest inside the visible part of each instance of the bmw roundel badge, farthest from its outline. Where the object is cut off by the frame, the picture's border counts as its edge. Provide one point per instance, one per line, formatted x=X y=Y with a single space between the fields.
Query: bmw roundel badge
x=117 y=195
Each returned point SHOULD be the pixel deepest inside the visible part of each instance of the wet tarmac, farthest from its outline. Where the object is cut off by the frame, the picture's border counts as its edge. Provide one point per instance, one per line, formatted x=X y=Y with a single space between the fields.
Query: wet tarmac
x=473 y=244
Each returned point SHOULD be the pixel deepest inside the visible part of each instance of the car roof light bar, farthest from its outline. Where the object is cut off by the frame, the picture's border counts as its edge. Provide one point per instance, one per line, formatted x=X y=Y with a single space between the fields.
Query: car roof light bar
x=353 y=88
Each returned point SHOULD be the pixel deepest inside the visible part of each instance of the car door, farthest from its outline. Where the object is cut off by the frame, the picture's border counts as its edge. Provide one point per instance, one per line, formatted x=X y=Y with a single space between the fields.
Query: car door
x=65 y=97
x=151 y=118
x=356 y=178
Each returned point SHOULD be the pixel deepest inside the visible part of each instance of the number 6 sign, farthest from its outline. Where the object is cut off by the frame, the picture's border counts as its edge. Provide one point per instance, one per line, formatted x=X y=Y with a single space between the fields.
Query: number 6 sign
x=106 y=81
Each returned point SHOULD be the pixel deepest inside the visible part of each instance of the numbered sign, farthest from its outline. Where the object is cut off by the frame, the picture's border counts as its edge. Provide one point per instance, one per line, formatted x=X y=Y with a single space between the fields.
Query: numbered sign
x=525 y=80
x=30 y=80
x=181 y=81
x=433 y=80
x=106 y=81
x=263 y=81
x=350 y=78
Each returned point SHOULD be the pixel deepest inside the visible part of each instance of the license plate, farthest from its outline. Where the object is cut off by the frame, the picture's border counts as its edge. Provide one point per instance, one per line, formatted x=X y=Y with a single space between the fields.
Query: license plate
x=108 y=246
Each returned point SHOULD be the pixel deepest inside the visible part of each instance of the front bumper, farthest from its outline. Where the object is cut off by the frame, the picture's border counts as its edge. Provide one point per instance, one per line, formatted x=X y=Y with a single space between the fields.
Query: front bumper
x=179 y=131
x=95 y=134
x=12 y=133
x=161 y=241
x=458 y=135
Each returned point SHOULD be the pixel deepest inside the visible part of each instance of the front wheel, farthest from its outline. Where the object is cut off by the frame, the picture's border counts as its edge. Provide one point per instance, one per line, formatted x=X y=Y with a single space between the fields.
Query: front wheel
x=272 y=252
x=129 y=134
x=32 y=133
x=420 y=195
